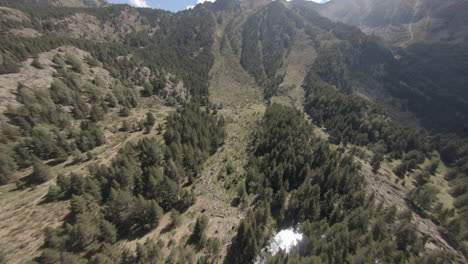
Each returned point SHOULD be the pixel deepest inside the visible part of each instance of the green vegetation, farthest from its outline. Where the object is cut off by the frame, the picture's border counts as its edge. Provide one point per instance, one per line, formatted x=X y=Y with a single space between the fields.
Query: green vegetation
x=41 y=173
x=326 y=198
x=352 y=120
x=126 y=180
x=128 y=198
x=7 y=167
x=45 y=126
x=264 y=58
x=433 y=85
x=199 y=236
x=192 y=135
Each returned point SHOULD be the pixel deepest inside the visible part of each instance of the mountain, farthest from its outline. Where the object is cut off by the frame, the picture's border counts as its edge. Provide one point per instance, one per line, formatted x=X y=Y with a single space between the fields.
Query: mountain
x=64 y=3
x=75 y=3
x=136 y=135
x=79 y=3
x=426 y=37
x=402 y=22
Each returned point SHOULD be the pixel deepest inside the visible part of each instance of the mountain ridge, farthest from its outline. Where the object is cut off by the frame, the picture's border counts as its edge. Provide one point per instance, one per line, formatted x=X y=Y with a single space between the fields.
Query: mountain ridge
x=193 y=137
x=403 y=22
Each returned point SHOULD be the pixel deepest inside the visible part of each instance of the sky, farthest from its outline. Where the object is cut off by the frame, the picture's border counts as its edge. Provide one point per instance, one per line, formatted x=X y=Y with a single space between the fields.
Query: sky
x=171 y=5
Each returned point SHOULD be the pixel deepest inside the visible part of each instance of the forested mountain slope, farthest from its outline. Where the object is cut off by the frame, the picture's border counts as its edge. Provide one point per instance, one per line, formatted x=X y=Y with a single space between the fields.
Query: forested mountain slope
x=135 y=135
x=429 y=40
x=403 y=21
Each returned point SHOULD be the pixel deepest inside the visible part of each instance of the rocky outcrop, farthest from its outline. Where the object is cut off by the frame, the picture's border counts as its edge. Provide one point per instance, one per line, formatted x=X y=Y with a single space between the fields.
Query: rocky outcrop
x=79 y=3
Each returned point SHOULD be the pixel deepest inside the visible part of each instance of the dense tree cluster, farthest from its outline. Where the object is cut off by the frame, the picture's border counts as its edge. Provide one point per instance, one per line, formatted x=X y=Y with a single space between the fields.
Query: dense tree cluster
x=182 y=46
x=351 y=119
x=128 y=197
x=454 y=151
x=275 y=27
x=192 y=135
x=326 y=202
x=417 y=81
x=414 y=79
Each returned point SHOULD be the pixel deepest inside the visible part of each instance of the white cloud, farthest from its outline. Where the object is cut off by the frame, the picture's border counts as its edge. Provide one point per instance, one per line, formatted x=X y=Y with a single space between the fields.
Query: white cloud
x=139 y=3
x=199 y=2
x=203 y=1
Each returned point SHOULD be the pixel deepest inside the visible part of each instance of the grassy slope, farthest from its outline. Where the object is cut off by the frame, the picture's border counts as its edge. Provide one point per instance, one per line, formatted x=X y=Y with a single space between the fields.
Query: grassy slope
x=24 y=214
x=242 y=107
x=302 y=55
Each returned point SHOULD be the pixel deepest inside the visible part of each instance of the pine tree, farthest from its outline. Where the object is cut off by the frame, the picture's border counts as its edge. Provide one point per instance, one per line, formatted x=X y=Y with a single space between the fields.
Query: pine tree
x=401 y=169
x=424 y=196
x=213 y=247
x=96 y=113
x=124 y=112
x=199 y=236
x=84 y=233
x=376 y=161
x=148 y=89
x=7 y=167
x=74 y=62
x=176 y=219
x=125 y=126
x=41 y=172
x=150 y=119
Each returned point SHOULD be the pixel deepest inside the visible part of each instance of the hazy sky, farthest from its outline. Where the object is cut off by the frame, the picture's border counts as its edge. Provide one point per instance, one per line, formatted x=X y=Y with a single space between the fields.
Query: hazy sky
x=171 y=5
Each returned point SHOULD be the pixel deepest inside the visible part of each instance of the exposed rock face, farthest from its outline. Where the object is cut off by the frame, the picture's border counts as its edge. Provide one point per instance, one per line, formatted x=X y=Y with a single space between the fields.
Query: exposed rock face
x=82 y=25
x=403 y=22
x=95 y=3
x=79 y=3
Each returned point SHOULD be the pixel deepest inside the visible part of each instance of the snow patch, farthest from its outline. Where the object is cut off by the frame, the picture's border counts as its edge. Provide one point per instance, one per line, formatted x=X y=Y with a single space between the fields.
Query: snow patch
x=284 y=240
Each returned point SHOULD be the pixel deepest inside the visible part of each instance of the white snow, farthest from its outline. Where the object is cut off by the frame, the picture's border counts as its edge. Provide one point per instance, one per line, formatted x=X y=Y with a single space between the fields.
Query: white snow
x=284 y=240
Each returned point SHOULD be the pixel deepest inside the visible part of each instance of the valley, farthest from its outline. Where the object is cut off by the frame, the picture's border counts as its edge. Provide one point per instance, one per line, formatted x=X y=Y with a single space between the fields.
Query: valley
x=194 y=137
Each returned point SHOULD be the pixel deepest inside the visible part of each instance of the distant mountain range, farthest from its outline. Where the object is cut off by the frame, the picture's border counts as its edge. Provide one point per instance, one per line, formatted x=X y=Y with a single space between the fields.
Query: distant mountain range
x=403 y=22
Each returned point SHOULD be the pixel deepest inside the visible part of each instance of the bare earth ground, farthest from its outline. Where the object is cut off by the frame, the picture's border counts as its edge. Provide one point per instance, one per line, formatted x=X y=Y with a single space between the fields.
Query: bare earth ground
x=22 y=219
